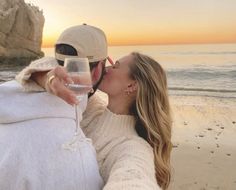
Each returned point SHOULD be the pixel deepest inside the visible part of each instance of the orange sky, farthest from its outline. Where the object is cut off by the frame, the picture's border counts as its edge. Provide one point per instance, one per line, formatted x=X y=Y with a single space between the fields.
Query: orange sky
x=136 y=22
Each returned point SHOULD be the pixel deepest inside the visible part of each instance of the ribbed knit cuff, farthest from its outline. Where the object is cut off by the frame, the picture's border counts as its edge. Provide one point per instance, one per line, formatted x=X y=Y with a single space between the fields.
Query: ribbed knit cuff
x=40 y=65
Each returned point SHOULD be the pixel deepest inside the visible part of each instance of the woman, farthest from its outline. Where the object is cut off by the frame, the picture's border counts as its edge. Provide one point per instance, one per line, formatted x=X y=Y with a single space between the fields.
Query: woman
x=132 y=134
x=136 y=85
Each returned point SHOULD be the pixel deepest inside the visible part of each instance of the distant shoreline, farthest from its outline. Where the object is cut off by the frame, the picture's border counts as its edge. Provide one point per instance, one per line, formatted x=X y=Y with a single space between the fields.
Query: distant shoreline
x=180 y=44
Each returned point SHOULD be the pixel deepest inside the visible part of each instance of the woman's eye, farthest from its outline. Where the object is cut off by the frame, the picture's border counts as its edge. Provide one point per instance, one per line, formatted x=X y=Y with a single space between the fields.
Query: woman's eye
x=116 y=65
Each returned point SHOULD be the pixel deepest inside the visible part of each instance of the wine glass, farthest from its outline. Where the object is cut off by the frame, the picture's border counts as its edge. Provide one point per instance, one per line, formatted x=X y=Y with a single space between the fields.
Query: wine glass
x=79 y=70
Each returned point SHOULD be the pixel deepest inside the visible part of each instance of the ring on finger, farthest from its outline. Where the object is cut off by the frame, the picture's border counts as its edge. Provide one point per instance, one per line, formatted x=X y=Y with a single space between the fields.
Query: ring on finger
x=50 y=79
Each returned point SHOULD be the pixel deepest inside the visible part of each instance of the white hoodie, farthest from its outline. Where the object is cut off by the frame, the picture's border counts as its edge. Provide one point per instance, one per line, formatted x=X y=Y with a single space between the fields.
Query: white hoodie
x=33 y=127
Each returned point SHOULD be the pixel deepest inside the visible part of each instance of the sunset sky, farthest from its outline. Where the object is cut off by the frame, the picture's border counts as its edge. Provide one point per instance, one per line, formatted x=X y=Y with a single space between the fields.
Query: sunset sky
x=138 y=22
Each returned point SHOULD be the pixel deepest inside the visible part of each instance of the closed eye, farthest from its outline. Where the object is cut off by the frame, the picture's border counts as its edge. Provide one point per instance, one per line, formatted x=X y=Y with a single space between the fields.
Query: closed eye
x=116 y=65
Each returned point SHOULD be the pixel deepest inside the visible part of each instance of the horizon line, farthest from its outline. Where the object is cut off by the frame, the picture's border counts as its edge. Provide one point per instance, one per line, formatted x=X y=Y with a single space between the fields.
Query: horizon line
x=160 y=44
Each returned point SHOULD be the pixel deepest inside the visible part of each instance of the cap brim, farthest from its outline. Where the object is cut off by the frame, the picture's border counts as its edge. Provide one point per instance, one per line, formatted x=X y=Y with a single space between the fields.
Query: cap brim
x=62 y=57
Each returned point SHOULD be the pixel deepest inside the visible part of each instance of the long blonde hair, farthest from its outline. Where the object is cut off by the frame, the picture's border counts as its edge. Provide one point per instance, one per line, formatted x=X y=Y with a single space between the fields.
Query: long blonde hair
x=152 y=111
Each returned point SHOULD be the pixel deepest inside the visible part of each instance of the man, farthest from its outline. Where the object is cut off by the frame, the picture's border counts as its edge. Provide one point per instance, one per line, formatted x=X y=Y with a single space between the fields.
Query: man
x=74 y=42
x=34 y=126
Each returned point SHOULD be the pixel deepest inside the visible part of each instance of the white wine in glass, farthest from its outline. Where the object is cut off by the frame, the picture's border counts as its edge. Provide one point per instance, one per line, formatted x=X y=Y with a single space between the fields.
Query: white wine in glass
x=78 y=69
x=82 y=83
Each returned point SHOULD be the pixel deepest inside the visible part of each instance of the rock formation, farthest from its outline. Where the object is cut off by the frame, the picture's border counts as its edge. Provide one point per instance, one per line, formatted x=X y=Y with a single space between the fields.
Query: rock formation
x=21 y=28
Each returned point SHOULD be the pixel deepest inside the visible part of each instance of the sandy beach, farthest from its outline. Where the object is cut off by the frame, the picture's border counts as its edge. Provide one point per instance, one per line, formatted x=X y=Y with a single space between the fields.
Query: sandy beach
x=204 y=138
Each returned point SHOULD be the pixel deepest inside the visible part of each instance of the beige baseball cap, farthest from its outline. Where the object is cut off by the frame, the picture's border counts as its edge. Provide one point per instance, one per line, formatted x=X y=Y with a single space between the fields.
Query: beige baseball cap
x=89 y=41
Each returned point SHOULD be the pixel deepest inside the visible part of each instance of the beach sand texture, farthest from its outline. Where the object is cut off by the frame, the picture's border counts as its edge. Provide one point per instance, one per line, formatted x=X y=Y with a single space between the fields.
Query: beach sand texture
x=204 y=138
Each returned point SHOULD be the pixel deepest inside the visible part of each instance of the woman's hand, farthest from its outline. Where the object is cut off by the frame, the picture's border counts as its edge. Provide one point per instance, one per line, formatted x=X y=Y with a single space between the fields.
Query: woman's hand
x=55 y=84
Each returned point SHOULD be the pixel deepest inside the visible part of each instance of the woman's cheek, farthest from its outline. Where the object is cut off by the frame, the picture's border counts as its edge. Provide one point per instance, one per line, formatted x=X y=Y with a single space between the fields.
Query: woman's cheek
x=108 y=77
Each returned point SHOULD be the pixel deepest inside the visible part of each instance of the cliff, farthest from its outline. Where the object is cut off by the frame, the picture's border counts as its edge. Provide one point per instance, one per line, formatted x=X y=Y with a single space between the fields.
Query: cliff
x=21 y=28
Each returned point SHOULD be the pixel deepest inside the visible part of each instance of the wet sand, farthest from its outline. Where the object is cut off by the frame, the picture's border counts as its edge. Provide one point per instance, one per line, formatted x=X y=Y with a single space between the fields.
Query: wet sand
x=204 y=138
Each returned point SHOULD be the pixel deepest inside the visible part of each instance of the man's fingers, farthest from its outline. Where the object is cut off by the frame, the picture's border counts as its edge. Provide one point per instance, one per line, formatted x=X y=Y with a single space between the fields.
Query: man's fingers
x=59 y=89
x=68 y=97
x=62 y=74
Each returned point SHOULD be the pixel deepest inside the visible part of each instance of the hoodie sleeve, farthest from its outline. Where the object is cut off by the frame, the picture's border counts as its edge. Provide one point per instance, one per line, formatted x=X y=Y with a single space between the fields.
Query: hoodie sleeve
x=39 y=65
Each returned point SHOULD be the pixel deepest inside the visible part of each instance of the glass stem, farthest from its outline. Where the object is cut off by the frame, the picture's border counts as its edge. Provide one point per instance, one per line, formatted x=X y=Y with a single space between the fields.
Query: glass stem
x=76 y=119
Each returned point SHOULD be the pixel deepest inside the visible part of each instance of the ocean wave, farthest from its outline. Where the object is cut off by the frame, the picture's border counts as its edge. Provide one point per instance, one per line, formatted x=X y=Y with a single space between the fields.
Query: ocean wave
x=205 y=95
x=200 y=53
x=203 y=73
x=203 y=89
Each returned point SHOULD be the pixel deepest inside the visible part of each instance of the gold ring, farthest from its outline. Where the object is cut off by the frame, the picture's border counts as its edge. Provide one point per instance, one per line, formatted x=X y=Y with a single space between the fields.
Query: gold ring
x=51 y=78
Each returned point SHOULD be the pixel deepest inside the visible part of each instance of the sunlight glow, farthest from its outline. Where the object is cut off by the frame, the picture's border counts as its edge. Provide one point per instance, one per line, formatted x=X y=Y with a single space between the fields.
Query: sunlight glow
x=138 y=22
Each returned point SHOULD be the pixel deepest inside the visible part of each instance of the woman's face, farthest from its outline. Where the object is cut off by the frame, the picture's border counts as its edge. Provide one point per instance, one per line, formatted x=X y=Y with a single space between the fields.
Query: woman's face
x=117 y=77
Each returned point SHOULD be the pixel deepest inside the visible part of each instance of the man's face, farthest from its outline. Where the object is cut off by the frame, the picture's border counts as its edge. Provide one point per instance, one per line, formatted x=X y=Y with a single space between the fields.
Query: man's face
x=97 y=72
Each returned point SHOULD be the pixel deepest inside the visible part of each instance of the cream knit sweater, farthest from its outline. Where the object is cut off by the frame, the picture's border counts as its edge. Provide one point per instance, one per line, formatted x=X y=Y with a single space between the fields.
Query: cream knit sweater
x=126 y=161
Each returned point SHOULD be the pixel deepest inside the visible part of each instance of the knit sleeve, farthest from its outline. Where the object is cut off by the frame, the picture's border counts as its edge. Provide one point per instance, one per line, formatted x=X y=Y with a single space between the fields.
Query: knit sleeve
x=130 y=166
x=43 y=64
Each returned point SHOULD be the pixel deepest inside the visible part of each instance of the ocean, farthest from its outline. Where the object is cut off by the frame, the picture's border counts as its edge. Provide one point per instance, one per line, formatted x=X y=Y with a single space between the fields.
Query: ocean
x=195 y=70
